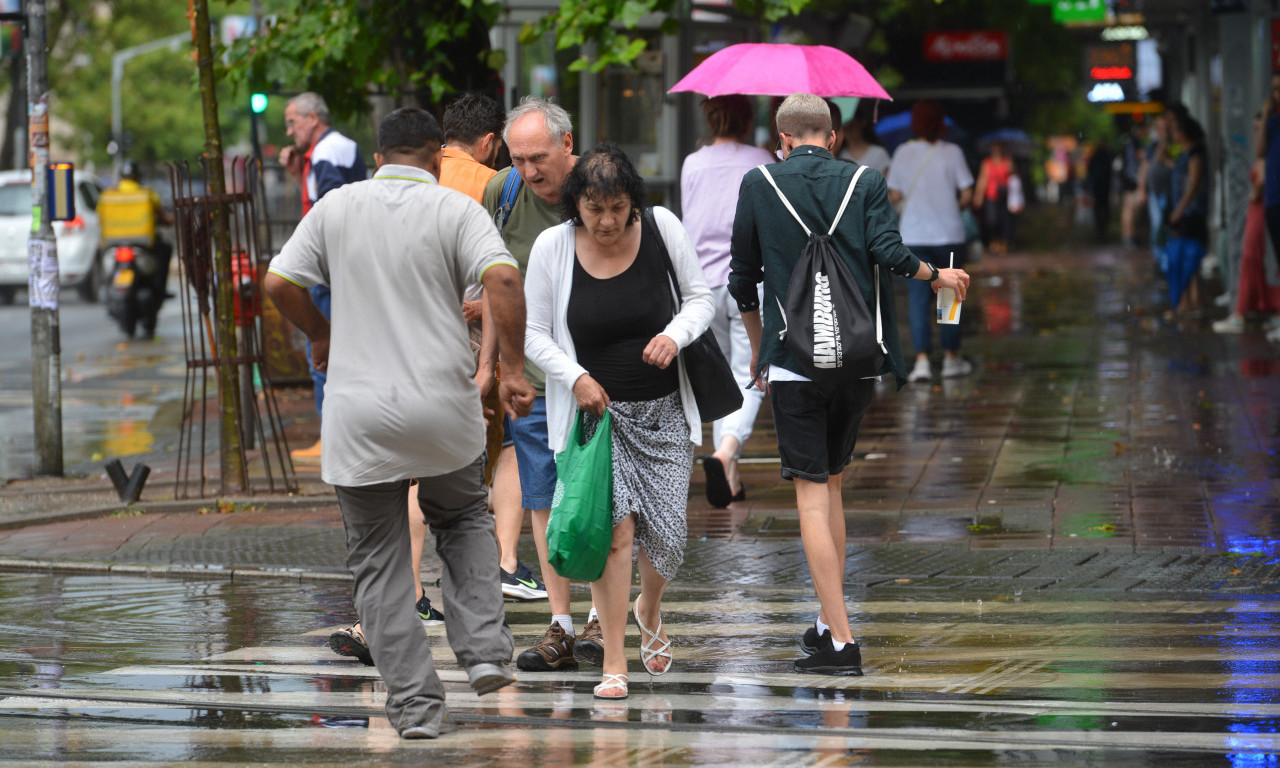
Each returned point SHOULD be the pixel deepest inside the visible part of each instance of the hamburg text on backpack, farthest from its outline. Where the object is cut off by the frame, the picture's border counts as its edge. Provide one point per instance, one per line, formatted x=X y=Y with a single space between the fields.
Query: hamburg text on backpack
x=826 y=324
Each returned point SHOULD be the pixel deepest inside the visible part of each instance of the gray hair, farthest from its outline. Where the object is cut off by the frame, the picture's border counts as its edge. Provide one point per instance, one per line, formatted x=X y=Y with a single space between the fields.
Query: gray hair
x=557 y=119
x=803 y=114
x=311 y=103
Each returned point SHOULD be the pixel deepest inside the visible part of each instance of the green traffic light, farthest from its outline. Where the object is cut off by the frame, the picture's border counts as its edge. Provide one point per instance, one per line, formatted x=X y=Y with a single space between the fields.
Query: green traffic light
x=258 y=103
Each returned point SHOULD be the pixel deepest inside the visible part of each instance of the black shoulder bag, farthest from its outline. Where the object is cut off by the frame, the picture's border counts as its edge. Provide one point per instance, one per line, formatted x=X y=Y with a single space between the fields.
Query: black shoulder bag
x=714 y=387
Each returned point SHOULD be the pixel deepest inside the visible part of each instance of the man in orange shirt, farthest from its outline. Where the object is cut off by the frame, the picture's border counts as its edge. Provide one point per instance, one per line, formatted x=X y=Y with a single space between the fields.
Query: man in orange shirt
x=472 y=140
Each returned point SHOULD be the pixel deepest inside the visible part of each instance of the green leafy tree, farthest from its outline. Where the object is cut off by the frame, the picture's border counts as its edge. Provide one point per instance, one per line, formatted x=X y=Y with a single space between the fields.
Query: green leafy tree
x=161 y=115
x=411 y=51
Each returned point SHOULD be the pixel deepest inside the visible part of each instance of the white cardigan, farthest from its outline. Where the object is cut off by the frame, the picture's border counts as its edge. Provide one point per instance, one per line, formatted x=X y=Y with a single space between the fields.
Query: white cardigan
x=547 y=342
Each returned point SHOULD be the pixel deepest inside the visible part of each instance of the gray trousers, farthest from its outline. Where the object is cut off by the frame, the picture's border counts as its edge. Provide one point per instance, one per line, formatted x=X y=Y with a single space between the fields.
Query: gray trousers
x=378 y=556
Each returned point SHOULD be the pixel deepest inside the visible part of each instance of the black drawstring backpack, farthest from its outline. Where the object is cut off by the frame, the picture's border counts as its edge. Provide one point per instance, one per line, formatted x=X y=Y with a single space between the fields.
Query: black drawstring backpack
x=826 y=324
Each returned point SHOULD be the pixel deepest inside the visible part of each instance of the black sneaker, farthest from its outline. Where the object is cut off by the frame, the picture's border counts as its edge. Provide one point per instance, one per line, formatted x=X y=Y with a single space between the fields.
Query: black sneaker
x=811 y=642
x=429 y=615
x=522 y=585
x=828 y=661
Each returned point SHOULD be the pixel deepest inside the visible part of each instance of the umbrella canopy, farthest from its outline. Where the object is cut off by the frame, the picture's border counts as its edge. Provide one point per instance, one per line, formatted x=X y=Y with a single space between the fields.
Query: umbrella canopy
x=1015 y=140
x=777 y=69
x=896 y=129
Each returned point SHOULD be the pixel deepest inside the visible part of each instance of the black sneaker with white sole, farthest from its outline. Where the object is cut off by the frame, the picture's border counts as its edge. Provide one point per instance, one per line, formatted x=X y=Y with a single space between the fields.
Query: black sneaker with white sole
x=828 y=661
x=522 y=585
x=812 y=641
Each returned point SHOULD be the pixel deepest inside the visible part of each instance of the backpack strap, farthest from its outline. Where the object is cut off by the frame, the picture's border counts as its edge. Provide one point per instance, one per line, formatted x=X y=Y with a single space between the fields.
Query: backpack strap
x=769 y=178
x=510 y=188
x=848 y=193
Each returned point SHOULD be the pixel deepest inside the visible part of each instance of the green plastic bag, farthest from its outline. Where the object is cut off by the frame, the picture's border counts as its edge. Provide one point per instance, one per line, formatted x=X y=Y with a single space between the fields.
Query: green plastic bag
x=580 y=530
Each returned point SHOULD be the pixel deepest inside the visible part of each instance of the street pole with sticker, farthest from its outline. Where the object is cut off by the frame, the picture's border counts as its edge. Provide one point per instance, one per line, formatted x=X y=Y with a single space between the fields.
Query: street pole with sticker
x=42 y=255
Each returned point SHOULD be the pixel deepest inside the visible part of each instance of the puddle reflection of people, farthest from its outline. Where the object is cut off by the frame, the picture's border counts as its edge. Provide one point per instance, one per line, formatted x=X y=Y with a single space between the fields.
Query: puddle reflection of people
x=601 y=325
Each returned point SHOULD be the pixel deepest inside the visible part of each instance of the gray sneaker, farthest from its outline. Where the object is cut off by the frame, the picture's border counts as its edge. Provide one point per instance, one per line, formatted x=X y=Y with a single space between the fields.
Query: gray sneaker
x=956 y=367
x=487 y=678
x=920 y=373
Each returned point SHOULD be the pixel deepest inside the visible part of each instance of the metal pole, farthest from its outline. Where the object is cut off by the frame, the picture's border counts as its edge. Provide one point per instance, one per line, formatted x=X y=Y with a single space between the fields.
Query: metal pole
x=42 y=259
x=118 y=60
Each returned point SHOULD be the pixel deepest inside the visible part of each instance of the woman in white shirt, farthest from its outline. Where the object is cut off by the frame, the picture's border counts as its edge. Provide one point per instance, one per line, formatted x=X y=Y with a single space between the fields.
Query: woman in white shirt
x=604 y=325
x=931 y=177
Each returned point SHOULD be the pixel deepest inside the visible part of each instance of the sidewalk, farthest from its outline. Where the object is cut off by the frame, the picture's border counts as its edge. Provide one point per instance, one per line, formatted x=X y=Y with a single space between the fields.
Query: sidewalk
x=1088 y=425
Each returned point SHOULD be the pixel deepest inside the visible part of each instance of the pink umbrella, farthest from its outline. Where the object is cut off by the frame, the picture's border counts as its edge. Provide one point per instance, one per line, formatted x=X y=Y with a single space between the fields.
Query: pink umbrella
x=777 y=69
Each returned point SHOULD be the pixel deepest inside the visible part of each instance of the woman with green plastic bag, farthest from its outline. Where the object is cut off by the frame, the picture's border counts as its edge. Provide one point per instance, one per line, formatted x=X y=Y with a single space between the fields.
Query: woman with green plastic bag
x=603 y=326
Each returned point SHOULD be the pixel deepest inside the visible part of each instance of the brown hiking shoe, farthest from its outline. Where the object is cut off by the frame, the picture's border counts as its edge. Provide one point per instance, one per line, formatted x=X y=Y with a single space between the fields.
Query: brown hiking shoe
x=589 y=646
x=553 y=652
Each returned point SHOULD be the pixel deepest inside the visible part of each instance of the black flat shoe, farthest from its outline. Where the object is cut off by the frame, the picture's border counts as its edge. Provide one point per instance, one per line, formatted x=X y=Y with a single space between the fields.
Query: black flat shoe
x=718 y=493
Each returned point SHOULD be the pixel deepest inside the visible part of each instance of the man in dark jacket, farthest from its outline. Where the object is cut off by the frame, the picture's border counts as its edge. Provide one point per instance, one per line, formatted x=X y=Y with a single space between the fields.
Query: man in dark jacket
x=817 y=426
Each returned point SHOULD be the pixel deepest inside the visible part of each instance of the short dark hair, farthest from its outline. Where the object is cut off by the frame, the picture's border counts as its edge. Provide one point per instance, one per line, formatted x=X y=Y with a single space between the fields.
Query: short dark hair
x=603 y=172
x=408 y=129
x=837 y=119
x=728 y=116
x=472 y=115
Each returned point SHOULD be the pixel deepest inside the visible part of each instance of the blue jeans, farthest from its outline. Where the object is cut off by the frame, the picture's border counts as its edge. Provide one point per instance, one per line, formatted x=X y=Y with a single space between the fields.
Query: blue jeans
x=320 y=295
x=922 y=302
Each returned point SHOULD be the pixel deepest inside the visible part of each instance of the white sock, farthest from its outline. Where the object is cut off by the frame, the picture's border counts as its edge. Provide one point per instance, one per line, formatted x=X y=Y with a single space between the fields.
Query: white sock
x=822 y=628
x=592 y=616
x=838 y=646
x=565 y=622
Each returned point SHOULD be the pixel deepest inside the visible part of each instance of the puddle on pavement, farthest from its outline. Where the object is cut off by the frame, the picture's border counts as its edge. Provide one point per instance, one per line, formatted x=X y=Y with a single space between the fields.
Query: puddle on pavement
x=1014 y=671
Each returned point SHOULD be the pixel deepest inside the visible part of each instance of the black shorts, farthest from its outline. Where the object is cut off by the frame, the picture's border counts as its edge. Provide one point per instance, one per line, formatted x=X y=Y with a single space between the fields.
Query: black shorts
x=817 y=427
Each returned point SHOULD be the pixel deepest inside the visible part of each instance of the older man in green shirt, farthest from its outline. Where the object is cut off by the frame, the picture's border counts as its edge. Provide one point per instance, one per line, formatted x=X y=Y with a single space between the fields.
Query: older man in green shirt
x=817 y=425
x=539 y=136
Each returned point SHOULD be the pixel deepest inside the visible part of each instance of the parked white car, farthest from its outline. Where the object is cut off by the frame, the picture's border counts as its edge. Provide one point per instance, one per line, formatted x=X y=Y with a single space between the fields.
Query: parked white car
x=79 y=263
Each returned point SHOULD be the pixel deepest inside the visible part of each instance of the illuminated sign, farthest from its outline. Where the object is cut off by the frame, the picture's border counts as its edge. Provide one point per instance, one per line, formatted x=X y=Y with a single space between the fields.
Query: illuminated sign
x=973 y=45
x=1111 y=73
x=1104 y=92
x=1119 y=34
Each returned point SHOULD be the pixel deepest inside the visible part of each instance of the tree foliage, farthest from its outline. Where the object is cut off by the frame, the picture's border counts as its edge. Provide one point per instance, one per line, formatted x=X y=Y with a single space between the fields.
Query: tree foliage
x=609 y=26
x=161 y=114
x=412 y=51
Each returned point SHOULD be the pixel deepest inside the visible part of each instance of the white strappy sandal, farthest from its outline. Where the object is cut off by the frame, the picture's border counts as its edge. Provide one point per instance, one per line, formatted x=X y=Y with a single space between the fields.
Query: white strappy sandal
x=612 y=683
x=648 y=641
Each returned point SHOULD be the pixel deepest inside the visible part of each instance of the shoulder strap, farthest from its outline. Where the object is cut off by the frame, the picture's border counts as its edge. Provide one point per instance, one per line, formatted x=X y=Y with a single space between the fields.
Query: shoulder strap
x=843 y=203
x=919 y=171
x=510 y=188
x=652 y=222
x=769 y=178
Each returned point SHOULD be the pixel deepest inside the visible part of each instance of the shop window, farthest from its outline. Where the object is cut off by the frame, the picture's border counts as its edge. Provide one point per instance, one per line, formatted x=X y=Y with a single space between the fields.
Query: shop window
x=544 y=72
x=630 y=114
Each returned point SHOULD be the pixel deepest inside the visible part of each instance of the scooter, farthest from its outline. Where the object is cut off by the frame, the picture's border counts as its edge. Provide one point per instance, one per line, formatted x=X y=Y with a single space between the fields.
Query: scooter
x=137 y=287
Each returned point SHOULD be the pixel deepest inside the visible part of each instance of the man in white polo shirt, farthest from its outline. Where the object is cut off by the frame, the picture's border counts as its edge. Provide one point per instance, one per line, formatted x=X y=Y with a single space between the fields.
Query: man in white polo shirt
x=398 y=251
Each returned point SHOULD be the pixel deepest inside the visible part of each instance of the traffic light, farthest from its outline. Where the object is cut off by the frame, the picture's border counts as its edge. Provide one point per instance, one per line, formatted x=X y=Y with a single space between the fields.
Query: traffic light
x=258 y=103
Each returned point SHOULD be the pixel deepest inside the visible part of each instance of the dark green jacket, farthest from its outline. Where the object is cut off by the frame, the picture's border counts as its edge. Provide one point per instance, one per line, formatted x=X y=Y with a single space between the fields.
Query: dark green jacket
x=767 y=242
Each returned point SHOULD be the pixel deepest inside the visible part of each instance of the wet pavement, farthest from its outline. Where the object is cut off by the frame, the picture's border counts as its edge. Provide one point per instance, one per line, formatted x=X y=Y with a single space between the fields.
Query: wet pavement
x=1072 y=556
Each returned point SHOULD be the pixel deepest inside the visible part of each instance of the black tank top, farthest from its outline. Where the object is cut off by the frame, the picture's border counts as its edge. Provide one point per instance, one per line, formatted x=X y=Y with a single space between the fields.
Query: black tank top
x=612 y=321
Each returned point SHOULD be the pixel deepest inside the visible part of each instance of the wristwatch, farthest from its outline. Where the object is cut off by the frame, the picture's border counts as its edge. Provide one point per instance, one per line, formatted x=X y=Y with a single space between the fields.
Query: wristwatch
x=934 y=269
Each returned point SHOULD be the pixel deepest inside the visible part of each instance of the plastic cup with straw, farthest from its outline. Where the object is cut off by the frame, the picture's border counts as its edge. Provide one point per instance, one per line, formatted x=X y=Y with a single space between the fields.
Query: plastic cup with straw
x=948 y=304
